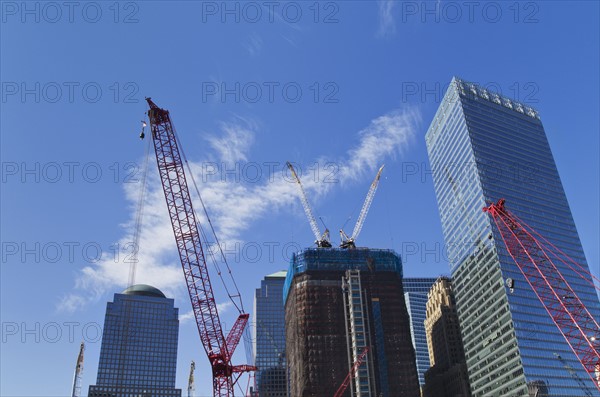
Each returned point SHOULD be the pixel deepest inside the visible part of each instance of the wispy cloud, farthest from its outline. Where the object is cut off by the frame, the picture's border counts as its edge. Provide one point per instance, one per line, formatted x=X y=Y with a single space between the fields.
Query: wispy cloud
x=224 y=307
x=234 y=140
x=221 y=308
x=385 y=137
x=234 y=206
x=290 y=40
x=387 y=23
x=253 y=44
x=186 y=317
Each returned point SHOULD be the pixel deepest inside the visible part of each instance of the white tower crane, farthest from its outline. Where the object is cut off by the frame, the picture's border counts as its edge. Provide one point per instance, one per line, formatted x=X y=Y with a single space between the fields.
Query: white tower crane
x=348 y=242
x=78 y=373
x=322 y=240
x=191 y=383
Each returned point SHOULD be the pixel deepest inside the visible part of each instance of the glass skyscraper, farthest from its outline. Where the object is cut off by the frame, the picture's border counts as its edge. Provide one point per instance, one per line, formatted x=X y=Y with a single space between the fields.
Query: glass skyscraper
x=269 y=337
x=138 y=356
x=415 y=296
x=483 y=147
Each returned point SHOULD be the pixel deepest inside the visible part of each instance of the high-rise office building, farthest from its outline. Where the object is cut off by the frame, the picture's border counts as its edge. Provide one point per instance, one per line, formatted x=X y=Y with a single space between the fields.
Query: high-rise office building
x=447 y=376
x=482 y=147
x=138 y=355
x=338 y=302
x=415 y=295
x=269 y=337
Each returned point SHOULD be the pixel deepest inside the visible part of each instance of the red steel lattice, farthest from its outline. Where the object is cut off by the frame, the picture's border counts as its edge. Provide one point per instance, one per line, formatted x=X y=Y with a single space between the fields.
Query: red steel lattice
x=340 y=391
x=537 y=259
x=187 y=236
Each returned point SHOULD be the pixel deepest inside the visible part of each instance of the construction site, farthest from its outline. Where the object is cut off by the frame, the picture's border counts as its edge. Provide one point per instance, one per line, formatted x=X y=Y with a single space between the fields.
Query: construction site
x=347 y=327
x=338 y=303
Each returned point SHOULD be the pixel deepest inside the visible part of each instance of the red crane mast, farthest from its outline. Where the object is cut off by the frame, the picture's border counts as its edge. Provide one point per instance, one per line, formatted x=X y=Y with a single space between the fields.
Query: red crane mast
x=537 y=259
x=187 y=236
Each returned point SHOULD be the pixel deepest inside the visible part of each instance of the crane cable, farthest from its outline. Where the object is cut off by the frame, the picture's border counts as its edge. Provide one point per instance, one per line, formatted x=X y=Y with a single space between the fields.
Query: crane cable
x=239 y=307
x=138 y=220
x=132 y=269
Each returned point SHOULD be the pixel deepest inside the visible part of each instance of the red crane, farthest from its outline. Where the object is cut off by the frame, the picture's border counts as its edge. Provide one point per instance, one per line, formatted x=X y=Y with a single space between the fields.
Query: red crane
x=340 y=391
x=219 y=348
x=541 y=262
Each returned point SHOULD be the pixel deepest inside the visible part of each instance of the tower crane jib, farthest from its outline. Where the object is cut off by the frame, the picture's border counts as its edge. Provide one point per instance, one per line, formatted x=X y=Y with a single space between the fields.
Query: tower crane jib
x=322 y=240
x=349 y=242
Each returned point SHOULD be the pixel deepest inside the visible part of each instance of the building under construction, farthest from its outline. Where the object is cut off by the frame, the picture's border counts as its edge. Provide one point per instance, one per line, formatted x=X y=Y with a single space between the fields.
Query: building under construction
x=338 y=302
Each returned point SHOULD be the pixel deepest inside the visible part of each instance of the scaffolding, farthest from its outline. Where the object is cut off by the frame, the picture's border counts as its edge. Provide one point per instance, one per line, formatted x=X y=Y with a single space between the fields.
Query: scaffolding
x=357 y=333
x=336 y=259
x=327 y=327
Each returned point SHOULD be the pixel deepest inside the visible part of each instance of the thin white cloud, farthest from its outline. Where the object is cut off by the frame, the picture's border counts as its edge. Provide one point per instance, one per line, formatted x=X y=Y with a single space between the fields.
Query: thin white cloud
x=234 y=205
x=253 y=44
x=224 y=307
x=387 y=23
x=290 y=40
x=385 y=137
x=186 y=317
x=189 y=316
x=72 y=302
x=234 y=140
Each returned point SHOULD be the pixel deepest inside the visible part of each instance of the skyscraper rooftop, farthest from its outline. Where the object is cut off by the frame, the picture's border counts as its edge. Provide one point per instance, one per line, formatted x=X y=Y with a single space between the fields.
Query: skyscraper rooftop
x=144 y=290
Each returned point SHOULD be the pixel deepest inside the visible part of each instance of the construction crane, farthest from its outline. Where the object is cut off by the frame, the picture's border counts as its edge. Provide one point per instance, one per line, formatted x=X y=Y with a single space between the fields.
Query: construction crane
x=186 y=229
x=349 y=242
x=537 y=259
x=78 y=373
x=340 y=391
x=191 y=384
x=322 y=240
x=575 y=375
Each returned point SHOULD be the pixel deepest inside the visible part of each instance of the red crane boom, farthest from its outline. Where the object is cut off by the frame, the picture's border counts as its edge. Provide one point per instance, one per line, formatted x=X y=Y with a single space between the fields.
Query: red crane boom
x=187 y=236
x=340 y=391
x=537 y=259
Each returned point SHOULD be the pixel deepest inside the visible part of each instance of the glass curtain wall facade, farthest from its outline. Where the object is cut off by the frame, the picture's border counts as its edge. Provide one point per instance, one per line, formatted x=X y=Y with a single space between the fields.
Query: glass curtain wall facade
x=415 y=295
x=138 y=355
x=269 y=337
x=483 y=147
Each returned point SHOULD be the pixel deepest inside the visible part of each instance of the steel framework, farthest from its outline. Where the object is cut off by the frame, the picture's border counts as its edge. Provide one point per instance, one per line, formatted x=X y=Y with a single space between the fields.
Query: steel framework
x=537 y=259
x=187 y=236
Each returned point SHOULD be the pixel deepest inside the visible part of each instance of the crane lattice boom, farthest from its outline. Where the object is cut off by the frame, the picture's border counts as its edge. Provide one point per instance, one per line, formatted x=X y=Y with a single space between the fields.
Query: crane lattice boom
x=187 y=236
x=78 y=372
x=538 y=261
x=367 y=204
x=321 y=240
x=348 y=242
x=191 y=382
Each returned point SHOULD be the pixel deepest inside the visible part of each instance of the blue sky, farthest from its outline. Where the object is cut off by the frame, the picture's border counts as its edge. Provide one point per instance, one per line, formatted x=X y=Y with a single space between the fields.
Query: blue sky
x=336 y=87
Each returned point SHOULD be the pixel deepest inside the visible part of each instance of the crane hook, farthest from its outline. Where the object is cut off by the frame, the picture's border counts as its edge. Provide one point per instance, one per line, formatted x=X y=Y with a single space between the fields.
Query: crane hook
x=142 y=135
